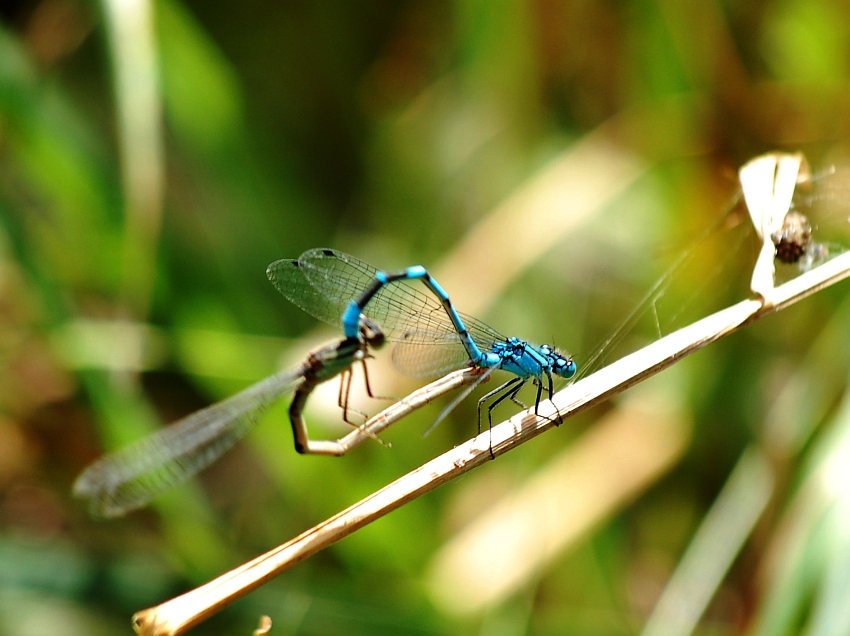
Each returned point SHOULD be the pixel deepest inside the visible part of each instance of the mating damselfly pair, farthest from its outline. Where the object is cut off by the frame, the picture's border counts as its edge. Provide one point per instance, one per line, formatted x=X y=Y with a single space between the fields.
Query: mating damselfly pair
x=431 y=338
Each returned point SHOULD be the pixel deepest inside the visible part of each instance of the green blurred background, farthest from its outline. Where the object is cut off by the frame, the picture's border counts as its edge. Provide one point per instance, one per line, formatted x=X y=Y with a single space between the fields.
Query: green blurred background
x=548 y=160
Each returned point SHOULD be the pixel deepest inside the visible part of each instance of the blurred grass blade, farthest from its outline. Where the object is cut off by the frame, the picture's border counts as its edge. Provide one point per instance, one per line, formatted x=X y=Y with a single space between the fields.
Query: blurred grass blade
x=720 y=537
x=197 y=78
x=809 y=394
x=808 y=556
x=138 y=100
x=577 y=185
x=831 y=610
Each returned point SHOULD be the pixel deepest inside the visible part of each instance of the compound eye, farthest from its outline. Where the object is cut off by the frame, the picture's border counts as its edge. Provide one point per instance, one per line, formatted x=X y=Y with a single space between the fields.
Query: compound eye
x=376 y=339
x=565 y=368
x=371 y=333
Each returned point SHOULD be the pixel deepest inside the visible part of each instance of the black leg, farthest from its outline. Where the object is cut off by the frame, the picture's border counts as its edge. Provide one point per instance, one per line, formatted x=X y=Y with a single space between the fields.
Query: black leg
x=369 y=387
x=551 y=391
x=512 y=395
x=504 y=387
x=537 y=399
x=344 y=390
x=342 y=399
x=509 y=390
x=366 y=379
x=516 y=401
x=508 y=394
x=557 y=421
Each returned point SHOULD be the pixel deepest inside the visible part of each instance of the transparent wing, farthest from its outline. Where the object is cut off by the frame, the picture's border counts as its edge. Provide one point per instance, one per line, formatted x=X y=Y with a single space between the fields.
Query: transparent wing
x=417 y=359
x=401 y=309
x=288 y=277
x=131 y=477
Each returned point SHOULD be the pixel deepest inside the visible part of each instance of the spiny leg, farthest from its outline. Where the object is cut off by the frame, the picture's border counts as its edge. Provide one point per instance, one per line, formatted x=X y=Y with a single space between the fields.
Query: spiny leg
x=509 y=390
x=342 y=395
x=539 y=394
x=550 y=390
x=510 y=394
x=499 y=389
x=369 y=387
x=345 y=380
x=516 y=400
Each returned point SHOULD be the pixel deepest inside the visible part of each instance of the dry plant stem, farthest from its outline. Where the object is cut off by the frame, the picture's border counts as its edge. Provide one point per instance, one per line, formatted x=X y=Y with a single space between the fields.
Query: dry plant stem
x=405 y=406
x=177 y=615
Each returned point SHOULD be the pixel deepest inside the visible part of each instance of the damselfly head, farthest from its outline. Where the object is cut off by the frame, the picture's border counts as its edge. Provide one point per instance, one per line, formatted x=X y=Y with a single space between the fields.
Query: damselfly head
x=562 y=365
x=566 y=367
x=371 y=333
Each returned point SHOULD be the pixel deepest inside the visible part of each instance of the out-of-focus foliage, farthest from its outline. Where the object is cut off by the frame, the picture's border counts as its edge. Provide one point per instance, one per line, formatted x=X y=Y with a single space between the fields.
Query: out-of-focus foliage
x=548 y=160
